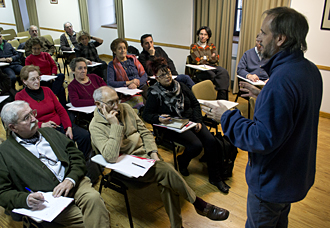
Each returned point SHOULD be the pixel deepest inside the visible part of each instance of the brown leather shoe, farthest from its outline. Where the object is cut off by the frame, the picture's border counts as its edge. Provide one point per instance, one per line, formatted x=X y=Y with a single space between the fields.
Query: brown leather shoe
x=214 y=213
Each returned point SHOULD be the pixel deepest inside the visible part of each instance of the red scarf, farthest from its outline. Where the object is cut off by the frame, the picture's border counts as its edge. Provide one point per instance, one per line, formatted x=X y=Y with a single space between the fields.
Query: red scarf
x=121 y=74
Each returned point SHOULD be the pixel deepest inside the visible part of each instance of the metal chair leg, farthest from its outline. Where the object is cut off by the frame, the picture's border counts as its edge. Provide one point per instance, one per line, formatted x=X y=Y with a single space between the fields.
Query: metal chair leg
x=128 y=210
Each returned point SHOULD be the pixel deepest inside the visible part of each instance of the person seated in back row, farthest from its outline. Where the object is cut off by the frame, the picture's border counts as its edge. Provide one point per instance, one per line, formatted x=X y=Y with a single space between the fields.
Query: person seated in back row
x=116 y=129
x=87 y=49
x=150 y=52
x=250 y=64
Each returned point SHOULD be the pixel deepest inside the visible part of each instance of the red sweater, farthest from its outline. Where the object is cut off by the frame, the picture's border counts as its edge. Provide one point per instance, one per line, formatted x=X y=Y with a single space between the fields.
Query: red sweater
x=44 y=61
x=82 y=95
x=47 y=109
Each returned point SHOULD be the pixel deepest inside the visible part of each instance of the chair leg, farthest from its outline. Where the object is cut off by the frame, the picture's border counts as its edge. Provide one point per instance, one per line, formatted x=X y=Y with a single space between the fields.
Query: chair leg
x=174 y=157
x=128 y=210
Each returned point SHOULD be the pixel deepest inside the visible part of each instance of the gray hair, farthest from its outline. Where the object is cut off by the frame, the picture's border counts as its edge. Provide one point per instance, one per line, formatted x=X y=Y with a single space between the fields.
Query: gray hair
x=66 y=23
x=9 y=113
x=74 y=62
x=97 y=95
x=33 y=26
x=81 y=34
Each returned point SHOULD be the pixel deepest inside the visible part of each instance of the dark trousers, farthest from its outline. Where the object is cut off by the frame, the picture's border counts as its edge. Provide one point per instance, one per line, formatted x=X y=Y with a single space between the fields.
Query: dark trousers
x=194 y=143
x=265 y=214
x=220 y=79
x=12 y=71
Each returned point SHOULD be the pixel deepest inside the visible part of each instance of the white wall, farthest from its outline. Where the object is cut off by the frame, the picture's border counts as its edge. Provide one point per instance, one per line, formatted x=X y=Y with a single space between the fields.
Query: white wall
x=318 y=50
x=55 y=15
x=7 y=16
x=168 y=21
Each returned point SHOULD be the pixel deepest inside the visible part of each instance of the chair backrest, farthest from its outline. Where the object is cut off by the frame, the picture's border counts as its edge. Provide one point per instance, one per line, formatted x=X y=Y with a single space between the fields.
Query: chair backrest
x=20 y=34
x=204 y=90
x=14 y=43
x=1 y=29
x=133 y=50
x=49 y=37
x=8 y=34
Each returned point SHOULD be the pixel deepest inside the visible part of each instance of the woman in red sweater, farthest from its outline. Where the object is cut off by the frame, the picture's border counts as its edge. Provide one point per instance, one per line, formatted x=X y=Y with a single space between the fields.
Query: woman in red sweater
x=47 y=66
x=50 y=112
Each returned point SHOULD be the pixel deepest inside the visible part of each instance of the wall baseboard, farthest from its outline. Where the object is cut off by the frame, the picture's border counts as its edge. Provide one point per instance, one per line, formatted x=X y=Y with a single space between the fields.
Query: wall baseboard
x=325 y=115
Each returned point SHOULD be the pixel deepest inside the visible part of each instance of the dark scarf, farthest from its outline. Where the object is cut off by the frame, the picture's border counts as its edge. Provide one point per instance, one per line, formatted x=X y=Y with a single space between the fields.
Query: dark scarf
x=173 y=96
x=37 y=95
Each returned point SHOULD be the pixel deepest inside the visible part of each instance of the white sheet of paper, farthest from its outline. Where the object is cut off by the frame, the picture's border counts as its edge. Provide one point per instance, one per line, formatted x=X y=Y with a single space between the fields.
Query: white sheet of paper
x=128 y=165
x=47 y=78
x=201 y=67
x=2 y=98
x=153 y=77
x=228 y=104
x=21 y=50
x=4 y=64
x=260 y=82
x=127 y=91
x=68 y=51
x=86 y=109
x=51 y=209
x=94 y=64
x=21 y=37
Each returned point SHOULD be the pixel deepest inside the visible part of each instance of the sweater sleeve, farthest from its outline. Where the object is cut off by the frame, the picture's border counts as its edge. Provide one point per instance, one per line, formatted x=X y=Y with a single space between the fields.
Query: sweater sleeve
x=111 y=79
x=213 y=59
x=195 y=54
x=242 y=66
x=52 y=63
x=65 y=120
x=64 y=43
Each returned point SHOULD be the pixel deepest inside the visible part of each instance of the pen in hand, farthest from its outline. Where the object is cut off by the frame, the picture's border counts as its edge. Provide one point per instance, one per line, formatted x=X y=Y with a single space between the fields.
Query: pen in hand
x=33 y=192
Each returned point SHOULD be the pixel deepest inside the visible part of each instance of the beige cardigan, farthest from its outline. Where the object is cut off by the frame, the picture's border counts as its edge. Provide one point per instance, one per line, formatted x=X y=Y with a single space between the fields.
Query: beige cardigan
x=130 y=138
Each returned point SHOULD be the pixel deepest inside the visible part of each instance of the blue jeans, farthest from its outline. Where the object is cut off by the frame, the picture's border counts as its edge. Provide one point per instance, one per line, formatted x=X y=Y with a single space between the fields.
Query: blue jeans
x=265 y=214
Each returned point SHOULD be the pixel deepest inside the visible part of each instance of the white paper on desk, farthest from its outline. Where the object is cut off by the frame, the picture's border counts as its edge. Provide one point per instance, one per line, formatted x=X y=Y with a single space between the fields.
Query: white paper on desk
x=201 y=67
x=185 y=128
x=154 y=77
x=21 y=50
x=228 y=104
x=21 y=37
x=128 y=165
x=127 y=91
x=260 y=82
x=86 y=109
x=47 y=78
x=2 y=98
x=51 y=210
x=68 y=51
x=4 y=64
x=94 y=64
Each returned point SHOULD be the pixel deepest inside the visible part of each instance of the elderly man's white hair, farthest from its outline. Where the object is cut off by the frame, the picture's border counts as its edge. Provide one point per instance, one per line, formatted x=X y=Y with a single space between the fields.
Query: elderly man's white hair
x=32 y=26
x=66 y=23
x=97 y=95
x=9 y=113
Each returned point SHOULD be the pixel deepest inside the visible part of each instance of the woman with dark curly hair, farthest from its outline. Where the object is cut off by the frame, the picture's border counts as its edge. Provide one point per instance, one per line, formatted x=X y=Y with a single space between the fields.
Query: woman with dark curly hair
x=168 y=98
x=204 y=52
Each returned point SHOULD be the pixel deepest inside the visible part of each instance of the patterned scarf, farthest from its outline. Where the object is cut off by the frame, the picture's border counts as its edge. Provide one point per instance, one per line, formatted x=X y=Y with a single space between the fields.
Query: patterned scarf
x=69 y=40
x=121 y=74
x=173 y=98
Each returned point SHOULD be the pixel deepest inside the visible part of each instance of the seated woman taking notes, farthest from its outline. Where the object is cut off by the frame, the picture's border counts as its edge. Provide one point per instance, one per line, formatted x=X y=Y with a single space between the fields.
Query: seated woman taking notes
x=168 y=98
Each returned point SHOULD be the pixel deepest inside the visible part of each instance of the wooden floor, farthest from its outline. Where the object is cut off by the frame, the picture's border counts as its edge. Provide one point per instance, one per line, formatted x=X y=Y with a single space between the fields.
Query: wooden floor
x=148 y=211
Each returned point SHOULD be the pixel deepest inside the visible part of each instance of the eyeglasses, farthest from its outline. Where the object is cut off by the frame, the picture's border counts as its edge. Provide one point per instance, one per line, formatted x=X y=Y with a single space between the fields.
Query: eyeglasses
x=112 y=104
x=34 y=79
x=28 y=117
x=44 y=159
x=162 y=76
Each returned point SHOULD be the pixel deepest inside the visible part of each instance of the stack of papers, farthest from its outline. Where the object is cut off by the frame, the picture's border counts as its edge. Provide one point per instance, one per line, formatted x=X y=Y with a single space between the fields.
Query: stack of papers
x=201 y=67
x=47 y=77
x=51 y=209
x=128 y=165
x=228 y=104
x=185 y=128
x=251 y=82
x=127 y=91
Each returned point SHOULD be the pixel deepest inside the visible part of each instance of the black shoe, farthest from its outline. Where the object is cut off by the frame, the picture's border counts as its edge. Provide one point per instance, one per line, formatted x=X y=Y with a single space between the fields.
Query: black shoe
x=214 y=213
x=221 y=185
x=183 y=169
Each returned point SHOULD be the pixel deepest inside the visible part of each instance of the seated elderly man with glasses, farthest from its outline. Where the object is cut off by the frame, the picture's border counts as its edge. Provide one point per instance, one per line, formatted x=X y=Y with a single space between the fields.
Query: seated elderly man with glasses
x=116 y=129
x=44 y=160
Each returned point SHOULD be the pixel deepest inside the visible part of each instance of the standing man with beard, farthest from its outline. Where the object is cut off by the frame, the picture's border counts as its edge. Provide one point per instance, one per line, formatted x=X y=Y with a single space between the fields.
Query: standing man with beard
x=282 y=137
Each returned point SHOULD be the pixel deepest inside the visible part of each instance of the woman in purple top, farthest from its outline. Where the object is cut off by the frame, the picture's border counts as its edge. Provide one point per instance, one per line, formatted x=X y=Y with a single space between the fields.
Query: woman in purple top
x=82 y=87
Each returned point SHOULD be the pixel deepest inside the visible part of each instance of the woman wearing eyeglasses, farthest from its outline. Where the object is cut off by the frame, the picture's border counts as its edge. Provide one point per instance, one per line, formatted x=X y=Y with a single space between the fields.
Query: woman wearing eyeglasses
x=126 y=71
x=50 y=112
x=168 y=98
x=47 y=66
